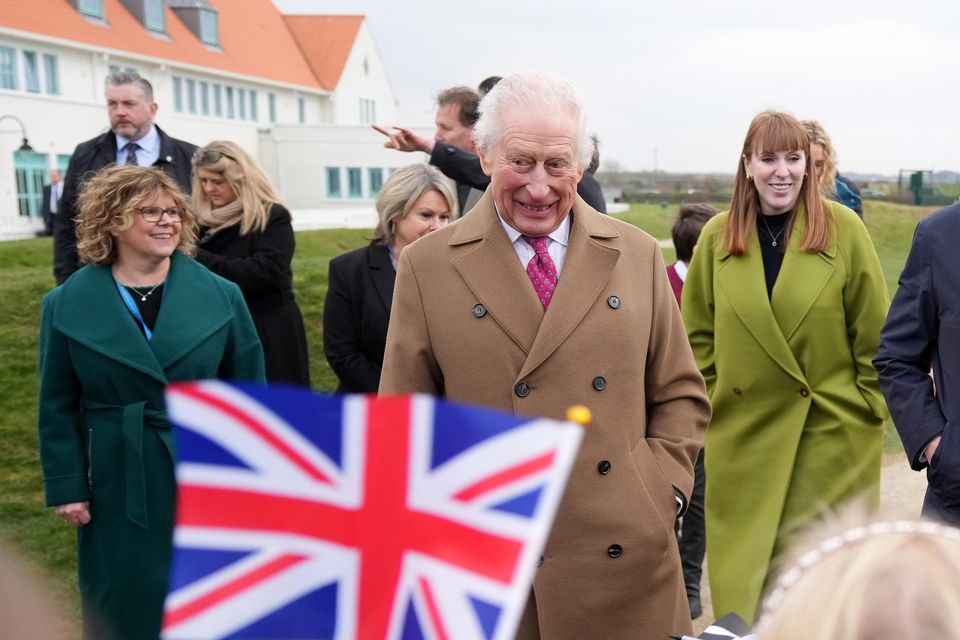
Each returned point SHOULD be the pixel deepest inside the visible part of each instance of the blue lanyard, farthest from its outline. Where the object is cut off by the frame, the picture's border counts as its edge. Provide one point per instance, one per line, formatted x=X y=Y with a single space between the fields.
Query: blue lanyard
x=133 y=308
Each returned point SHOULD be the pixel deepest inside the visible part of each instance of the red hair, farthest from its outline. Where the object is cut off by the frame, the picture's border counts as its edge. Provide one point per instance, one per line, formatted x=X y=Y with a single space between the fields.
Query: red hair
x=776 y=131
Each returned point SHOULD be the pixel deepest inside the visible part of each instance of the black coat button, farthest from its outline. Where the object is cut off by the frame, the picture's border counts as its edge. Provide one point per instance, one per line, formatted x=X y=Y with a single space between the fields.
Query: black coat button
x=804 y=392
x=614 y=302
x=599 y=383
x=738 y=391
x=479 y=310
x=604 y=467
x=522 y=389
x=615 y=551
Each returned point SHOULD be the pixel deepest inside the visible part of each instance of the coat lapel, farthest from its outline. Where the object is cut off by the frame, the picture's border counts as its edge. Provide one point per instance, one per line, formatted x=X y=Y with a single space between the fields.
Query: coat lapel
x=586 y=269
x=382 y=273
x=188 y=315
x=490 y=267
x=802 y=278
x=742 y=280
x=92 y=314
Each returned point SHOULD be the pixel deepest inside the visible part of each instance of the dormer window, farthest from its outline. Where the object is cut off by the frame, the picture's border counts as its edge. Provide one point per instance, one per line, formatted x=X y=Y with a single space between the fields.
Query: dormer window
x=153 y=17
x=92 y=8
x=209 y=33
x=200 y=17
x=149 y=13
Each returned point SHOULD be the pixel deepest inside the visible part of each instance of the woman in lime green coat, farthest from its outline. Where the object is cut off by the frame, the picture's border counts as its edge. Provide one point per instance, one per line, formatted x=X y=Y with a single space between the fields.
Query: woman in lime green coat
x=783 y=305
x=139 y=316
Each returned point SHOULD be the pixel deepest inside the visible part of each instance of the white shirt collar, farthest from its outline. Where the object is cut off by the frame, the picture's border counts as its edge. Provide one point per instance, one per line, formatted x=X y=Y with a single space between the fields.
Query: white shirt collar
x=681 y=268
x=561 y=234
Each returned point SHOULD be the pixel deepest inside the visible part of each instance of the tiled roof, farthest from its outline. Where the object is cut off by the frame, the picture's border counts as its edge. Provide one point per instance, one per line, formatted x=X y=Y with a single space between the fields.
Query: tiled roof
x=326 y=42
x=254 y=37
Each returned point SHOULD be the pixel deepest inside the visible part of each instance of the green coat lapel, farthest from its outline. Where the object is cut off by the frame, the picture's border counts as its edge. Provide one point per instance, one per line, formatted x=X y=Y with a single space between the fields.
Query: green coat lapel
x=92 y=313
x=586 y=269
x=802 y=278
x=187 y=316
x=493 y=273
x=742 y=280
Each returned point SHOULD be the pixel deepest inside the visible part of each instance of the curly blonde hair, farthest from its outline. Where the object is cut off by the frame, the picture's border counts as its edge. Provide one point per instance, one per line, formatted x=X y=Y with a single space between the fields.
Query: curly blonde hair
x=107 y=207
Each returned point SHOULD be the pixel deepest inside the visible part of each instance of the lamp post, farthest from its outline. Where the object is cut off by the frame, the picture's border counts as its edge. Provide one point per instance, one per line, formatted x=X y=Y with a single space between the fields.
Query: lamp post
x=23 y=131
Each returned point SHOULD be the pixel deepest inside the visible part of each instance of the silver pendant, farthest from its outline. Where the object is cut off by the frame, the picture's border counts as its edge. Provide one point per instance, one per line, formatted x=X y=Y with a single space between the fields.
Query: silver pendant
x=774 y=244
x=144 y=298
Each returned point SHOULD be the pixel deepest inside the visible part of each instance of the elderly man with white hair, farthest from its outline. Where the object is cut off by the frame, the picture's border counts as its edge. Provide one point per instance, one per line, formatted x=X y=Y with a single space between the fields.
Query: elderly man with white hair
x=535 y=302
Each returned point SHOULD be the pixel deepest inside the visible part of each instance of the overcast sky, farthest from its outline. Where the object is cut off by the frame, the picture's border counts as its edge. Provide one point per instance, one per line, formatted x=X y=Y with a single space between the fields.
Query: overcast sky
x=682 y=80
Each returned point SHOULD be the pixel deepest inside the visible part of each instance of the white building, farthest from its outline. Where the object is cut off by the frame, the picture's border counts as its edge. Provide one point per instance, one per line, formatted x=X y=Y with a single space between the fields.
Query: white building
x=298 y=92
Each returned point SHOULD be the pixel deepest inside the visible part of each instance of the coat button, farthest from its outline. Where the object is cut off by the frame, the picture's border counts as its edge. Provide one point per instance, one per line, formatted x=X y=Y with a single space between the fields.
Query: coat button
x=615 y=551
x=804 y=392
x=604 y=467
x=522 y=389
x=738 y=391
x=479 y=310
x=614 y=302
x=599 y=383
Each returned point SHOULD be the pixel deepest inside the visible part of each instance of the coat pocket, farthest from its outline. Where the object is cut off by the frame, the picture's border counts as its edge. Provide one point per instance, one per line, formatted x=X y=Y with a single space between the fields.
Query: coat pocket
x=943 y=472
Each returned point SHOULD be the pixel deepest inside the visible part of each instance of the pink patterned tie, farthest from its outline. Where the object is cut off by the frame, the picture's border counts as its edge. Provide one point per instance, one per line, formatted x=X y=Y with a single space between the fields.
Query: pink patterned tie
x=542 y=271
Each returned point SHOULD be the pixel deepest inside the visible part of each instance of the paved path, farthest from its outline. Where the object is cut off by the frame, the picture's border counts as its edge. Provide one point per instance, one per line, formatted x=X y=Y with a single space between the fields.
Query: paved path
x=901 y=495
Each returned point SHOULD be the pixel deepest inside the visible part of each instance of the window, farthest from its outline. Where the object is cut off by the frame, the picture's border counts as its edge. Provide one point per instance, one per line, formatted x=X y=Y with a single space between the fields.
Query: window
x=30 y=169
x=230 y=113
x=208 y=28
x=242 y=103
x=91 y=7
x=354 y=182
x=30 y=72
x=50 y=71
x=191 y=96
x=302 y=109
x=63 y=161
x=8 y=68
x=217 y=101
x=375 y=179
x=153 y=15
x=333 y=182
x=115 y=68
x=253 y=106
x=178 y=94
x=368 y=111
x=272 y=106
x=204 y=98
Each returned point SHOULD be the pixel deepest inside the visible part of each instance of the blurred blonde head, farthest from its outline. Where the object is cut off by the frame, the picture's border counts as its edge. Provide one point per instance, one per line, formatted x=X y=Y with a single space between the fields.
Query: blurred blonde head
x=247 y=180
x=826 y=174
x=896 y=580
x=107 y=207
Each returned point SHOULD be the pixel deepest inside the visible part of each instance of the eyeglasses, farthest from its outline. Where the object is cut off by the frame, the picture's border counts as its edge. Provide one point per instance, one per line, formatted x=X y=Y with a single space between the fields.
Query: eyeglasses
x=212 y=156
x=154 y=214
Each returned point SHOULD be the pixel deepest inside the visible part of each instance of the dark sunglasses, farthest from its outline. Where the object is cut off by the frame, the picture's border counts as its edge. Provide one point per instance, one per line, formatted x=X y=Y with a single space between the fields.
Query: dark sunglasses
x=154 y=214
x=212 y=156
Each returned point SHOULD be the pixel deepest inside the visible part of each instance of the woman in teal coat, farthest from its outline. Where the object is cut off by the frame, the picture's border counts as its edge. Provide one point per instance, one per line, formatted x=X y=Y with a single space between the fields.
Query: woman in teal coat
x=783 y=305
x=141 y=315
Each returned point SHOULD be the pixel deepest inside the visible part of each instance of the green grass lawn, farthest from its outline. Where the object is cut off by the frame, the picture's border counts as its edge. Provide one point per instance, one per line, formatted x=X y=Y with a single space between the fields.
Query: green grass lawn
x=25 y=275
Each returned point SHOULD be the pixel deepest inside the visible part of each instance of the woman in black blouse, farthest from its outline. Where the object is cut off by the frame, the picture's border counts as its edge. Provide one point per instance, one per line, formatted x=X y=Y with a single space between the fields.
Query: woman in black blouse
x=247 y=237
x=416 y=200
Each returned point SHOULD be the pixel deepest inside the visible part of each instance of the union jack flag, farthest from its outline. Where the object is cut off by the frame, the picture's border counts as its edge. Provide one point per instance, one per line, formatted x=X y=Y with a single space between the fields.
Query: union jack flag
x=309 y=516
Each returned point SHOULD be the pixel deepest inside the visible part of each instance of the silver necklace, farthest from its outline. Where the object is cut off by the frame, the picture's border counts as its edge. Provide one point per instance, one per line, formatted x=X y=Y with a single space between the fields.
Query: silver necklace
x=143 y=296
x=773 y=237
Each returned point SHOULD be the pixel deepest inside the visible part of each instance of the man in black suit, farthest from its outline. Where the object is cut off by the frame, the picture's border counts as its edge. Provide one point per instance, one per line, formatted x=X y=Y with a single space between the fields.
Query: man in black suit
x=453 y=152
x=51 y=201
x=133 y=139
x=923 y=329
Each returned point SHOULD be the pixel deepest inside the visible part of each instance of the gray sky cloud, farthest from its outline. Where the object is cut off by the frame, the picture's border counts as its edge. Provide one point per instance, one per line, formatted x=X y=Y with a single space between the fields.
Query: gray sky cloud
x=685 y=78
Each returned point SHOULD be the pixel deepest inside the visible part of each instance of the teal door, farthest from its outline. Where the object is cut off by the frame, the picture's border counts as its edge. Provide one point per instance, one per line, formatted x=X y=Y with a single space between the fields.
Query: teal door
x=31 y=171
